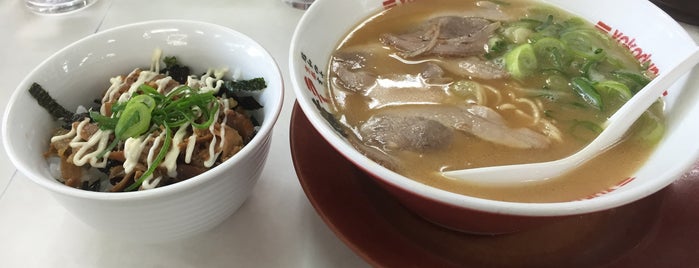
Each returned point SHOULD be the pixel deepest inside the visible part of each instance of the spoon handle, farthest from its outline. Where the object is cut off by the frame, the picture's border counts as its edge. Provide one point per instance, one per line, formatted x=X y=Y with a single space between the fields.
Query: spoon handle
x=618 y=124
x=622 y=119
x=616 y=127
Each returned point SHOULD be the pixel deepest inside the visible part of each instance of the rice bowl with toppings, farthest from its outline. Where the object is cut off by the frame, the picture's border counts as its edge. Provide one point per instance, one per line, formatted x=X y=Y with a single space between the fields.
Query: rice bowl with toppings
x=153 y=128
x=79 y=74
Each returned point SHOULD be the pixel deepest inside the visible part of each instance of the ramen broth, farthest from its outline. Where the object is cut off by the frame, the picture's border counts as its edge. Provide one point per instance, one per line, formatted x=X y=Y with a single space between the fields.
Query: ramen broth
x=371 y=76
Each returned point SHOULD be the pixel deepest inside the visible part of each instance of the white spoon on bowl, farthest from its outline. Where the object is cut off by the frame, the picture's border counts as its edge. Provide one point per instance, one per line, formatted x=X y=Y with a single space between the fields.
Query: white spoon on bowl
x=615 y=128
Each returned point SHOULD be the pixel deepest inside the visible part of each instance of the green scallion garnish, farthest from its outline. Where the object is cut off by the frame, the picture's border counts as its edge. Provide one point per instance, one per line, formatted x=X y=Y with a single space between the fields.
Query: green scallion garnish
x=149 y=110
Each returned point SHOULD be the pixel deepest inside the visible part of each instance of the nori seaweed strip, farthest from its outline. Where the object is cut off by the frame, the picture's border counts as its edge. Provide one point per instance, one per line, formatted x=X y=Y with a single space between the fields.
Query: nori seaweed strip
x=85 y=185
x=68 y=122
x=110 y=164
x=179 y=73
x=254 y=123
x=49 y=103
x=95 y=186
x=254 y=84
x=173 y=68
x=248 y=103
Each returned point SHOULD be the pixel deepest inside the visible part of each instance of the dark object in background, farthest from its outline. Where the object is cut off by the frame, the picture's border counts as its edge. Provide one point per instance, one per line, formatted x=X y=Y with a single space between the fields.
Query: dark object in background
x=682 y=10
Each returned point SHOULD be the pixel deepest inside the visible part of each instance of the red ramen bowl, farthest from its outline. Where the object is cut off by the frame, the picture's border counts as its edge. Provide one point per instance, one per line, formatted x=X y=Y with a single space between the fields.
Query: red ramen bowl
x=647 y=32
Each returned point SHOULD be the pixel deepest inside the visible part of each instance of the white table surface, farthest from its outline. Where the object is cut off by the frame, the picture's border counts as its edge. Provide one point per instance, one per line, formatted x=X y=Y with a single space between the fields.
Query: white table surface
x=276 y=227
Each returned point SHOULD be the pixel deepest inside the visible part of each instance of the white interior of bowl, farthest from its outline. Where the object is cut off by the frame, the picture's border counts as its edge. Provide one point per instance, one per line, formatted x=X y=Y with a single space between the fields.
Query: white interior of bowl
x=80 y=73
x=651 y=30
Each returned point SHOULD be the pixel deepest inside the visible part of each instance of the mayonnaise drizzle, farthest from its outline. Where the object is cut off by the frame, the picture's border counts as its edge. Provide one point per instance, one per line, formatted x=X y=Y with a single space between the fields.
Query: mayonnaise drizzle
x=117 y=83
x=81 y=156
x=213 y=155
x=209 y=82
x=162 y=83
x=70 y=134
x=132 y=152
x=143 y=77
x=155 y=60
x=151 y=183
x=191 y=141
x=224 y=106
x=151 y=152
x=170 y=161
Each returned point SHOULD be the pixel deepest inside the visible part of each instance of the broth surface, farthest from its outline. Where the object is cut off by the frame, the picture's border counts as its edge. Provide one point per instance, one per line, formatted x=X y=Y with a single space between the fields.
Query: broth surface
x=403 y=86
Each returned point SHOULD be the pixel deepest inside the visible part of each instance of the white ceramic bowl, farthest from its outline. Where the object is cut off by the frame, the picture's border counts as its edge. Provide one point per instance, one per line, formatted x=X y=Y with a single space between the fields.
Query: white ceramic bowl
x=647 y=30
x=80 y=73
